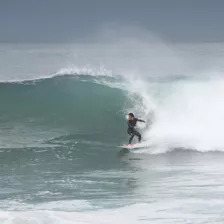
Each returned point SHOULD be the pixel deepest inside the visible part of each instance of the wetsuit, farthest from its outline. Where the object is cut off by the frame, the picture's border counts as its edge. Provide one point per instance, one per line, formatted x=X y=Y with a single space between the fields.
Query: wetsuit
x=131 y=129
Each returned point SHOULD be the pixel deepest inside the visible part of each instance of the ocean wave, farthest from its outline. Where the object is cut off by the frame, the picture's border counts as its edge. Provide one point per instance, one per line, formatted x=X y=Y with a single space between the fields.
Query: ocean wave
x=183 y=114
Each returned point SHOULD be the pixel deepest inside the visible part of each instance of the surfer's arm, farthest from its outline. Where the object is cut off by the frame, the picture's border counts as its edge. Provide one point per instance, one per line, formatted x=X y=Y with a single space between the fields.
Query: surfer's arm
x=141 y=120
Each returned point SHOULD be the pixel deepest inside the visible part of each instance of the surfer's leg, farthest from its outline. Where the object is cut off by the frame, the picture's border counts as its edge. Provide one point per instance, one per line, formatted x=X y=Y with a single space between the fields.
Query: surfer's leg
x=139 y=135
x=130 y=140
x=129 y=131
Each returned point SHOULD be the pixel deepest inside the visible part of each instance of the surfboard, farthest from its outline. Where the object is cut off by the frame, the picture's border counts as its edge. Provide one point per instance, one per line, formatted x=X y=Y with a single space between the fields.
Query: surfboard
x=130 y=147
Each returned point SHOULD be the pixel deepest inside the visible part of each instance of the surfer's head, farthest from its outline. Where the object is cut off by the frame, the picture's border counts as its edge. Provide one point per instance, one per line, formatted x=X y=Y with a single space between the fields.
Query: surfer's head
x=131 y=116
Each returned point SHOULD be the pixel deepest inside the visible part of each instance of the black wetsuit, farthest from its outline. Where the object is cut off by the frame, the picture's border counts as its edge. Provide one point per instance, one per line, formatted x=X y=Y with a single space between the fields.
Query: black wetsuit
x=132 y=131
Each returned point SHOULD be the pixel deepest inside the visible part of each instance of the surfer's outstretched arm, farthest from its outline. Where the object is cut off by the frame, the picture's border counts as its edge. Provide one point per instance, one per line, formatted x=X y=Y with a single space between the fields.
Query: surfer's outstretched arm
x=141 y=121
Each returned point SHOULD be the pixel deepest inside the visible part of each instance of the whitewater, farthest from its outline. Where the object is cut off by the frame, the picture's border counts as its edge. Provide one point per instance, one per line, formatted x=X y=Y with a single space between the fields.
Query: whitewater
x=62 y=116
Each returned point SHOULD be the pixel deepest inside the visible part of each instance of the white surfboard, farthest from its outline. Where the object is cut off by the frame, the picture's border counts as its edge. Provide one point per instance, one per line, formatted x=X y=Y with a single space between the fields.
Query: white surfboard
x=134 y=146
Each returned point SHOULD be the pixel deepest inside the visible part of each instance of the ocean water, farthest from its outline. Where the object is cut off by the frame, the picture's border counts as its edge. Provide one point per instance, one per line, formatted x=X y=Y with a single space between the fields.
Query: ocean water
x=62 y=117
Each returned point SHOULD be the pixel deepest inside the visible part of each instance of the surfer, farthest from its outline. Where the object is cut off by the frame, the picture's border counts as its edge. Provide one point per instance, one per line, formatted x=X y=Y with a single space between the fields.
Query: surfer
x=132 y=121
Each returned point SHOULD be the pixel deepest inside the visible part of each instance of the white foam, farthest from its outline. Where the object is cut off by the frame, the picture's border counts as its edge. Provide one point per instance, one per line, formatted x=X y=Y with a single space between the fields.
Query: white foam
x=60 y=205
x=69 y=205
x=189 y=114
x=87 y=70
x=179 y=211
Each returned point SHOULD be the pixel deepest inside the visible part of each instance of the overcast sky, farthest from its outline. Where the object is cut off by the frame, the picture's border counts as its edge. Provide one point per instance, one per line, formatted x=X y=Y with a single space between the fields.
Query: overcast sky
x=79 y=20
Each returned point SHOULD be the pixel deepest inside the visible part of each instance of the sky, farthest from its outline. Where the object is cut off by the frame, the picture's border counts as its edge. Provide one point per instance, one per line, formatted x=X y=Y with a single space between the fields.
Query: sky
x=39 y=21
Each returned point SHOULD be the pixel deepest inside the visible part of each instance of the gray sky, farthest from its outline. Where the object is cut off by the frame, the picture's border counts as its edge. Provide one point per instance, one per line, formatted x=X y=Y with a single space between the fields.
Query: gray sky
x=79 y=20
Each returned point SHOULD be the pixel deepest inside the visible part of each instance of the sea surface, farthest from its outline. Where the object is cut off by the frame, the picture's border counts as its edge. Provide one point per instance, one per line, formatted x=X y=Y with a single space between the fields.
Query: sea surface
x=63 y=114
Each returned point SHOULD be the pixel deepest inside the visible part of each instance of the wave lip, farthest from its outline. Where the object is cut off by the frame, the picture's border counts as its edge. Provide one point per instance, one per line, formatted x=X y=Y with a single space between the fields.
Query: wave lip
x=88 y=70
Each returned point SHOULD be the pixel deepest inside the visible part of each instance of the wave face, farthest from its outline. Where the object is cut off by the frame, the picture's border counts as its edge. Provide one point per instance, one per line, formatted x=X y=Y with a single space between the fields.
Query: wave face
x=75 y=104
